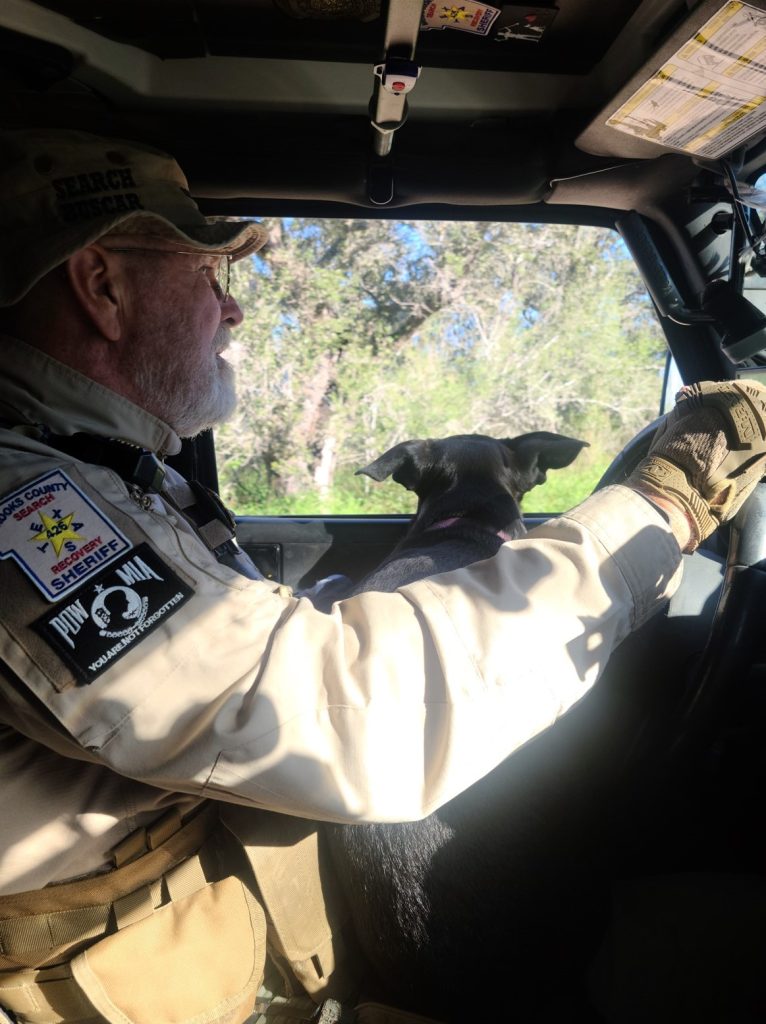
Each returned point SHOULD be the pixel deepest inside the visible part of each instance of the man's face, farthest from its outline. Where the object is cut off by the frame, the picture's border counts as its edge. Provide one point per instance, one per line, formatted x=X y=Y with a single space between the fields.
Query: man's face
x=179 y=326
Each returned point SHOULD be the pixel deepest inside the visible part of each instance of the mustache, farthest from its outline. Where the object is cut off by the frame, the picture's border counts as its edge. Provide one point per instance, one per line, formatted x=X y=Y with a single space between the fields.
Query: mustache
x=222 y=339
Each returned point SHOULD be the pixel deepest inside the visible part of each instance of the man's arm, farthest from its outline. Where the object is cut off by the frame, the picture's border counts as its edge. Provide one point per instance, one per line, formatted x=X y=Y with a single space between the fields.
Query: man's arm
x=395 y=702
x=383 y=709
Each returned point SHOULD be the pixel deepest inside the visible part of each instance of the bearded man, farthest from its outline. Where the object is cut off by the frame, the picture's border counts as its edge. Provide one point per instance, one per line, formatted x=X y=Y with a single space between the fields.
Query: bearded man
x=156 y=695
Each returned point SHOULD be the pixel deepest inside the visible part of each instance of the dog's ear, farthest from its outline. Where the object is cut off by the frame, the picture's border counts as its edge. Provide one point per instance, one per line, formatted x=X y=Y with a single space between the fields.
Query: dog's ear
x=537 y=452
x=404 y=462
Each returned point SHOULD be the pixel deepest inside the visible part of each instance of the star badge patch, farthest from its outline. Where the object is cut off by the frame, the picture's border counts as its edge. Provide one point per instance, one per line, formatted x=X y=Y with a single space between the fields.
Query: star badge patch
x=56 y=535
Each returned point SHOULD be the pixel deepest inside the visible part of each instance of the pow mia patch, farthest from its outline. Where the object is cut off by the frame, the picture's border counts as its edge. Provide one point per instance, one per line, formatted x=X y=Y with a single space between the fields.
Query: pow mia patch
x=106 y=617
x=56 y=535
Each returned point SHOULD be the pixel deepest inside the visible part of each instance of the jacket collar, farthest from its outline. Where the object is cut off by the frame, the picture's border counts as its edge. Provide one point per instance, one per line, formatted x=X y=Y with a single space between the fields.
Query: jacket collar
x=36 y=389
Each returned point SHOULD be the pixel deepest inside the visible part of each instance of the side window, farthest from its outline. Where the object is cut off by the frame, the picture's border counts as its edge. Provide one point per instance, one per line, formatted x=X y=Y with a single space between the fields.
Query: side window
x=754 y=283
x=673 y=383
x=360 y=334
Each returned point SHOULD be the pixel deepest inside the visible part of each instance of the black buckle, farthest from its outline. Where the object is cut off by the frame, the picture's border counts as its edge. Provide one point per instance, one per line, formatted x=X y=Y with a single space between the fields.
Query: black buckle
x=134 y=464
x=148 y=472
x=211 y=506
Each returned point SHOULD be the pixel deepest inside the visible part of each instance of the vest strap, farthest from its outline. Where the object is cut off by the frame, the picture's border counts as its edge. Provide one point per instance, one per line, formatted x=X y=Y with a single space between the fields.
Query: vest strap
x=141 y=468
x=310 y=923
x=42 y=926
x=134 y=464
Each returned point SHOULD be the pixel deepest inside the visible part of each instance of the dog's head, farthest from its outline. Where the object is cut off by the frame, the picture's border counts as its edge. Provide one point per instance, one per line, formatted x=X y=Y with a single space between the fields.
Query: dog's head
x=472 y=475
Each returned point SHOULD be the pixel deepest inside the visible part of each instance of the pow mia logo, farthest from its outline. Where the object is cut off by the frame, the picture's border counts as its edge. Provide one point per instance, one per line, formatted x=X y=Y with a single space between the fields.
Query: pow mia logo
x=105 y=618
x=118 y=605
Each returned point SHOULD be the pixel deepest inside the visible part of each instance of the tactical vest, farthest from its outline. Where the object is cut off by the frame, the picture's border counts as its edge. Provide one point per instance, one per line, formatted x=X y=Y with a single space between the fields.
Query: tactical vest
x=178 y=930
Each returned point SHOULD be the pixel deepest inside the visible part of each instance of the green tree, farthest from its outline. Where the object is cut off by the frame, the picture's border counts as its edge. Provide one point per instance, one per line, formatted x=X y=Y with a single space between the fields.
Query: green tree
x=360 y=334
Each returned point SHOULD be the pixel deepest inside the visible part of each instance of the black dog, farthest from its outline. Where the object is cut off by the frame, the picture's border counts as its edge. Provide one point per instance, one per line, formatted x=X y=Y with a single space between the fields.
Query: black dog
x=453 y=912
x=469 y=488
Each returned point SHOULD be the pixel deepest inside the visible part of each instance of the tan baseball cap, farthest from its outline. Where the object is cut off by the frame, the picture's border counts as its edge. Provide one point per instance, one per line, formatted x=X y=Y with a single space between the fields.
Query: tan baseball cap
x=61 y=190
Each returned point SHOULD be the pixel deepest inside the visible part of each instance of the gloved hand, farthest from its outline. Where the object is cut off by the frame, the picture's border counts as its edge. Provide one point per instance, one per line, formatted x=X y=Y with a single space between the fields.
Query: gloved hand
x=708 y=454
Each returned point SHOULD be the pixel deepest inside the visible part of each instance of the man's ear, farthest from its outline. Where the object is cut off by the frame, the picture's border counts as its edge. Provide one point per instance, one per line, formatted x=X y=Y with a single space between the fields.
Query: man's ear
x=91 y=276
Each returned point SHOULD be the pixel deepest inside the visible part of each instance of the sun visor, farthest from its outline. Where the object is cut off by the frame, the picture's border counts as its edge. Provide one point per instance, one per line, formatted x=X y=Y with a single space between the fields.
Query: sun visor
x=703 y=93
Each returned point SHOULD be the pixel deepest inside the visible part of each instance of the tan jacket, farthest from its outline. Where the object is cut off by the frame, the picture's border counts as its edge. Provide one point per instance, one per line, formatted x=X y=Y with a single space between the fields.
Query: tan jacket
x=154 y=675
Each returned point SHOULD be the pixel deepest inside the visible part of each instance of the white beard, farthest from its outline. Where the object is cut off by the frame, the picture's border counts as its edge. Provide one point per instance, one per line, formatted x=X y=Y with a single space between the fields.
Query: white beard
x=192 y=403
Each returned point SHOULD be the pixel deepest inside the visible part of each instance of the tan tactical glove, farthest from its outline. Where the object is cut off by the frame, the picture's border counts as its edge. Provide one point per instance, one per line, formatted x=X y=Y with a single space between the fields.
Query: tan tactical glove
x=708 y=454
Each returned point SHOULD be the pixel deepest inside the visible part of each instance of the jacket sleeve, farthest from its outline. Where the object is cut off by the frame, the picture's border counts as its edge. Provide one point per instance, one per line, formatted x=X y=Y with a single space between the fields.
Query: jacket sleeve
x=383 y=709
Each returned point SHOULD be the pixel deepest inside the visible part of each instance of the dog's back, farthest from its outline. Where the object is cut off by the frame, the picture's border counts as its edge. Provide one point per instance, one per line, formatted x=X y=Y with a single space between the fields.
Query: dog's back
x=450 y=547
x=439 y=904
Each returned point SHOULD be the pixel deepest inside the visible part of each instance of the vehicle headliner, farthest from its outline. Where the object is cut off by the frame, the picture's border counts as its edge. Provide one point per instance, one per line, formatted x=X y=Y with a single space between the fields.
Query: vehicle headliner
x=261 y=106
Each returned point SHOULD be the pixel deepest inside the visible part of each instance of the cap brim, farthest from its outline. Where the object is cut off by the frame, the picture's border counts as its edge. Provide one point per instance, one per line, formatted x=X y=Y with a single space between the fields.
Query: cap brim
x=233 y=238
x=37 y=256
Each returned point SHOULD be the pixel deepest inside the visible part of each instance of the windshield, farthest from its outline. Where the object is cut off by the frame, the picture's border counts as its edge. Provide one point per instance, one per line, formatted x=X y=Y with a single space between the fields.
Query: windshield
x=359 y=334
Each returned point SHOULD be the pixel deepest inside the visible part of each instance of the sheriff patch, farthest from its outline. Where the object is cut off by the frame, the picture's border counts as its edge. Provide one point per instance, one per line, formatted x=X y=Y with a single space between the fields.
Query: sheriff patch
x=56 y=535
x=105 y=618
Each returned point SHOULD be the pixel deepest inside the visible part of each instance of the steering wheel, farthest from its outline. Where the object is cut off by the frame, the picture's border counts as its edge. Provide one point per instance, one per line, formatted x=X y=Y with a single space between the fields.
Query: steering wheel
x=708 y=637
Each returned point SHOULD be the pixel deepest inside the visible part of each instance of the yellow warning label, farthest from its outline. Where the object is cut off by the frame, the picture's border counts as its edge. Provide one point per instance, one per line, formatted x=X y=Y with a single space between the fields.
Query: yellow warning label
x=710 y=97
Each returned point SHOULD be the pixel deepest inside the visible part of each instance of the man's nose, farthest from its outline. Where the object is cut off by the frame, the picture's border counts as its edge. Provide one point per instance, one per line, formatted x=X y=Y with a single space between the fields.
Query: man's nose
x=230 y=312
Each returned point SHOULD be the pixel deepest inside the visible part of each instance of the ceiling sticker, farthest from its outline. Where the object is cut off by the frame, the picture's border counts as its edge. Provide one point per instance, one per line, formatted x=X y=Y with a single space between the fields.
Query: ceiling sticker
x=523 y=24
x=710 y=96
x=465 y=17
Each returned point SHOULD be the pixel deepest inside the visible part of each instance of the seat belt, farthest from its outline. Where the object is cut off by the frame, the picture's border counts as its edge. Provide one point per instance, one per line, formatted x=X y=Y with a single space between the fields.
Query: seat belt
x=145 y=474
x=397 y=74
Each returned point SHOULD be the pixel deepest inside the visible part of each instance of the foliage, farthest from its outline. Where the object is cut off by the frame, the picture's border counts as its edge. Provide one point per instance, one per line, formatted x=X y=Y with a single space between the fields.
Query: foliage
x=360 y=334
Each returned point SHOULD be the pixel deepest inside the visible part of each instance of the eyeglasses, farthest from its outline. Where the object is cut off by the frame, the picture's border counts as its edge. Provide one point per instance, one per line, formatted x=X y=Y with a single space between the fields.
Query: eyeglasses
x=221 y=272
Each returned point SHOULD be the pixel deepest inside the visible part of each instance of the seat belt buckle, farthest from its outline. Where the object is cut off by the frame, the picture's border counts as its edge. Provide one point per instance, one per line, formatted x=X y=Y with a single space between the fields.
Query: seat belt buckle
x=397 y=75
x=149 y=473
